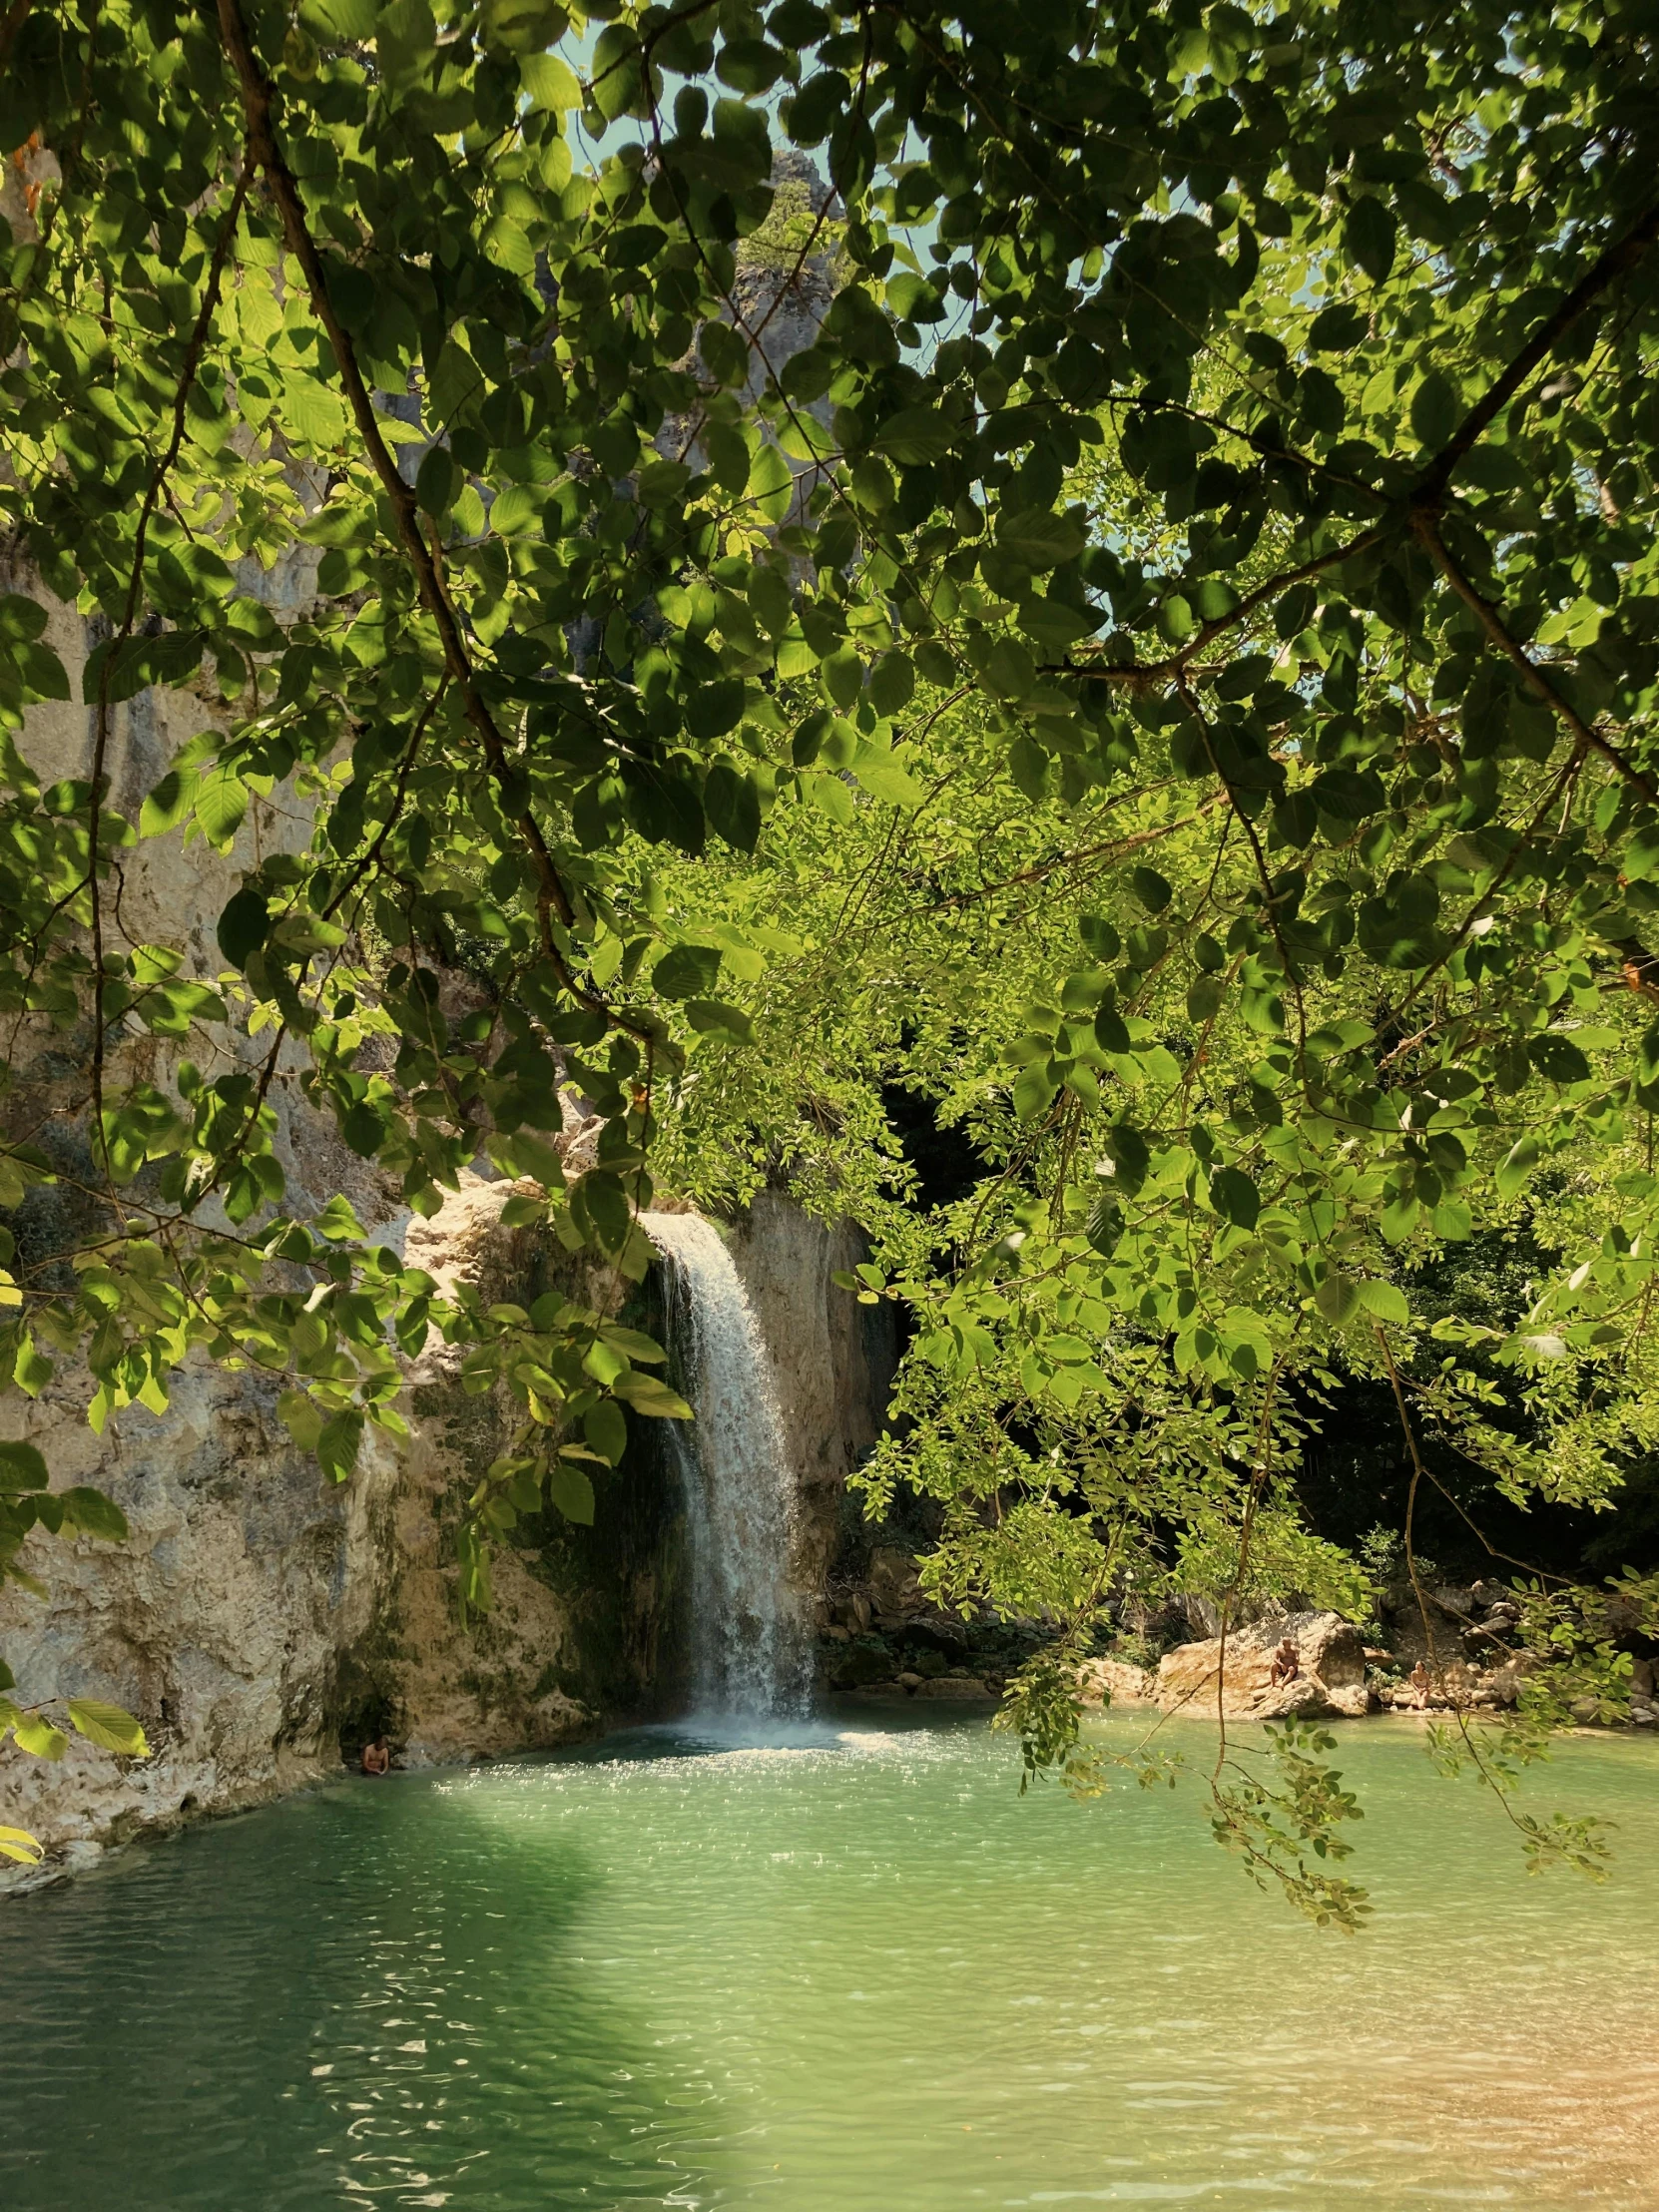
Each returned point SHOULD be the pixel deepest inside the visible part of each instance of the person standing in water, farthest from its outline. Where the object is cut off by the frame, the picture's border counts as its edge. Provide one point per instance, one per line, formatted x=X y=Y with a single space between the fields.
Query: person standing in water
x=377 y=1756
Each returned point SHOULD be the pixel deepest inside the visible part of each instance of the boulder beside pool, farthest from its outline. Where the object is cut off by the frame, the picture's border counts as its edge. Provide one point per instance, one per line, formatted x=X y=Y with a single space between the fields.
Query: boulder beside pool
x=1330 y=1683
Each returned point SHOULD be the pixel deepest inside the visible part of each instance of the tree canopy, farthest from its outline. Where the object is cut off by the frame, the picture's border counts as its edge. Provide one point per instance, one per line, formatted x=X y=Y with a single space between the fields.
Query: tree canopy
x=1166 y=673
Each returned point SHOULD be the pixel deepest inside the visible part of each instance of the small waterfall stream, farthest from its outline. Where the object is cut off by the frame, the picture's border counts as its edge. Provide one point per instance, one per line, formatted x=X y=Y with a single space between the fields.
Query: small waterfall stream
x=752 y=1645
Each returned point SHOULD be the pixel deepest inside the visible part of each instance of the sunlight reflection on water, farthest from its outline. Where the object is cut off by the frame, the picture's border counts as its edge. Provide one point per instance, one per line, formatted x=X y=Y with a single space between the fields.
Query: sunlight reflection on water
x=833 y=1966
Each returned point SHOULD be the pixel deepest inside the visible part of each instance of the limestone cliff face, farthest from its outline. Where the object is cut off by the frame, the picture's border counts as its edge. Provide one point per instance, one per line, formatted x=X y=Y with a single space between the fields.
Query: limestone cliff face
x=229 y=1621
x=234 y=1620
x=260 y=1617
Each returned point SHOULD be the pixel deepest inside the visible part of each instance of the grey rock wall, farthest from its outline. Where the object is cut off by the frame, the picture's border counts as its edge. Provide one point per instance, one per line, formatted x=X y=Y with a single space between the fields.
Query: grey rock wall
x=834 y=1359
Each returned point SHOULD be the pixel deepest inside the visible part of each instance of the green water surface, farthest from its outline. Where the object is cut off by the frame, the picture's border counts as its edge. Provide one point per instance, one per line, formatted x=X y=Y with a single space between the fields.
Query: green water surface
x=849 y=1970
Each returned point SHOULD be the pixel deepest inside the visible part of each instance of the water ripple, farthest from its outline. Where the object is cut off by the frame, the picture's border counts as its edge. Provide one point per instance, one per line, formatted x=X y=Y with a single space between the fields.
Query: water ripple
x=835 y=1967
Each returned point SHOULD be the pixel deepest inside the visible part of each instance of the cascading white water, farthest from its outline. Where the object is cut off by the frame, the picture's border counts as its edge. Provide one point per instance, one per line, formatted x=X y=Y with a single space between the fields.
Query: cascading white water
x=751 y=1639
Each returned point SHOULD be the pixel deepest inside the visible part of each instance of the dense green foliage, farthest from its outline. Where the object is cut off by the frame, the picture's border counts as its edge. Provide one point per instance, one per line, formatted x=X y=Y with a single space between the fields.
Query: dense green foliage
x=1167 y=674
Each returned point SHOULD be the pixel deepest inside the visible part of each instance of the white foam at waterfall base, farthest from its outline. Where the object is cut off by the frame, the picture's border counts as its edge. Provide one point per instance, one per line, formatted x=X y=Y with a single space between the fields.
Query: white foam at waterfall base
x=752 y=1650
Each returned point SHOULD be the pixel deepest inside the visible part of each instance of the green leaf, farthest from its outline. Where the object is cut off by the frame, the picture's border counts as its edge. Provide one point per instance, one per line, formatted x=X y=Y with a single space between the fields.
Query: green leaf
x=221 y=804
x=21 y=620
x=604 y=1200
x=646 y=1395
x=1557 y=1058
x=715 y=1017
x=1130 y=1155
x=633 y=1343
x=1152 y=890
x=523 y=26
x=339 y=1223
x=1176 y=619
x=1385 y=1302
x=605 y=1426
x=915 y=436
x=883 y=779
x=438 y=482
x=108 y=1725
x=242 y=925
x=1521 y=1159
x=339 y=1444
x=604 y=1364
x=1235 y=1196
x=749 y=65
x=732 y=806
x=551 y=83
x=1368 y=238
x=89 y=1512
x=571 y=1490
x=687 y=971
x=302 y=1417
x=1111 y=1032
x=170 y=802
x=21 y=1468
x=1040 y=539
x=1336 y=329
x=1034 y=1090
x=1205 y=995
x=892 y=682
x=39 y=1737
x=351 y=20
x=1437 y=410
x=512 y=510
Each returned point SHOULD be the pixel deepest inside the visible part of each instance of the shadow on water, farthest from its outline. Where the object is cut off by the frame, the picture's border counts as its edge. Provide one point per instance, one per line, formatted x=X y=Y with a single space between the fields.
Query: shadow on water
x=353 y=1997
x=836 y=1966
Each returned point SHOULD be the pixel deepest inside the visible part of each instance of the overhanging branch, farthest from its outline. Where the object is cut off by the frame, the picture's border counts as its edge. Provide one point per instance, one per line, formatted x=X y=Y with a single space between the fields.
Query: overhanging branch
x=552 y=898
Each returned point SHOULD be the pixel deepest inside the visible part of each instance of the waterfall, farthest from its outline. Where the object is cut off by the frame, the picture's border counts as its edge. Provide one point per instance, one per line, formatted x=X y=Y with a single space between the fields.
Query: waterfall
x=751 y=1638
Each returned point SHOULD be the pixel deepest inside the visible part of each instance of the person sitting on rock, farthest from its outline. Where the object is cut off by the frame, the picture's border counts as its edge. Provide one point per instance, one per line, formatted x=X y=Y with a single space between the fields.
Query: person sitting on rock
x=1421 y=1684
x=377 y=1756
x=1286 y=1663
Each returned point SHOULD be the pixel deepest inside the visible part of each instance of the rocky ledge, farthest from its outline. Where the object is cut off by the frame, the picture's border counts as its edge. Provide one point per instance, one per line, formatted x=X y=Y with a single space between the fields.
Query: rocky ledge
x=1330 y=1678
x=879 y=1634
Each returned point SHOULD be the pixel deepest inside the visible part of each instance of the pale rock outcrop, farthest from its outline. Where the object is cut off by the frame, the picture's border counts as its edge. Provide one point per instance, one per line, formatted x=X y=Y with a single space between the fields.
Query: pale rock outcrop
x=1115 y=1682
x=1454 y=1683
x=232 y=1620
x=574 y=1630
x=1332 y=1679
